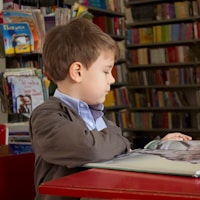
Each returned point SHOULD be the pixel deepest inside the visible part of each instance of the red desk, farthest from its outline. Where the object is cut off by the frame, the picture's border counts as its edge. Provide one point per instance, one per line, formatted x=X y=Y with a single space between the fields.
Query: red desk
x=112 y=184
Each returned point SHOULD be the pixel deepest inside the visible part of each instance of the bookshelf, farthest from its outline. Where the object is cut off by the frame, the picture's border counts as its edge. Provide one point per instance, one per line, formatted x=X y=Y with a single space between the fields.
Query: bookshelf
x=163 y=47
x=16 y=62
x=16 y=57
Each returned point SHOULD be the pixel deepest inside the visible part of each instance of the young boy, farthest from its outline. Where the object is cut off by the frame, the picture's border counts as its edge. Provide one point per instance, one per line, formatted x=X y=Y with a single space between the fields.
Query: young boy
x=69 y=129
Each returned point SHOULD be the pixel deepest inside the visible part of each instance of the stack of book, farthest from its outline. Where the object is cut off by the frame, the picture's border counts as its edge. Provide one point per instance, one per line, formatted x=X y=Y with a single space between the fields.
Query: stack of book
x=15 y=138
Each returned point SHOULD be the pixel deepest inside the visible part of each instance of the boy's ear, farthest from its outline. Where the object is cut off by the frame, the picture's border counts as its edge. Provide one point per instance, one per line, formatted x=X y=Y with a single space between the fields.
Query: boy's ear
x=75 y=71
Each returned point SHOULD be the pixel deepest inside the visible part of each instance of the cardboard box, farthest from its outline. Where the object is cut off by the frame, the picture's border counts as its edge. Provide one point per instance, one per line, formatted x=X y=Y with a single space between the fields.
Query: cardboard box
x=16 y=175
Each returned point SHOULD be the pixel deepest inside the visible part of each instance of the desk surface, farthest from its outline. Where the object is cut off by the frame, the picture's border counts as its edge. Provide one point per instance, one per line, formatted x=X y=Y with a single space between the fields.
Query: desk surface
x=113 y=184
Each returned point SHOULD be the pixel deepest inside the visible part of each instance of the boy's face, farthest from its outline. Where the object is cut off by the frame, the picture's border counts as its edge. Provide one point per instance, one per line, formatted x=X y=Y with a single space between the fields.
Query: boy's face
x=96 y=80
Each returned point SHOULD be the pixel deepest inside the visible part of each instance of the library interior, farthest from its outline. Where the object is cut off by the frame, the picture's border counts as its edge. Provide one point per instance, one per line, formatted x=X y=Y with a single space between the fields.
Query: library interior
x=156 y=89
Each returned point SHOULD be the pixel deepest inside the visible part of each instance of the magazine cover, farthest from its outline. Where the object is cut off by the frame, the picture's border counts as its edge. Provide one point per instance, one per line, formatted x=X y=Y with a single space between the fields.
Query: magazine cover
x=27 y=93
x=28 y=16
x=17 y=38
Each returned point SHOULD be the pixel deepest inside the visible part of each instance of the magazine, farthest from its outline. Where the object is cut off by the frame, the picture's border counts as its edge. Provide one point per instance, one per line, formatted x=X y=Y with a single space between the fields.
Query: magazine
x=27 y=93
x=17 y=38
x=162 y=157
x=34 y=21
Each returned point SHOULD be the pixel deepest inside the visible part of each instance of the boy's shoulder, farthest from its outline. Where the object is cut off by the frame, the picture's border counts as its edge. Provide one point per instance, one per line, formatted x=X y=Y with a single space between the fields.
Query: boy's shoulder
x=52 y=103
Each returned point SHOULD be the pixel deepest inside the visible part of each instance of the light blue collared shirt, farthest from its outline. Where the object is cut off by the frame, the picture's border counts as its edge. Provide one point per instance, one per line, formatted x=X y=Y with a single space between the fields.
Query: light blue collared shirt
x=92 y=115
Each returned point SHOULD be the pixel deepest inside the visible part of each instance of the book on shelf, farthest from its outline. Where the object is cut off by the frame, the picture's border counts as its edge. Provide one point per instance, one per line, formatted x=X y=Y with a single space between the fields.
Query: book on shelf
x=35 y=21
x=160 y=157
x=23 y=90
x=62 y=16
x=17 y=38
x=27 y=93
x=19 y=142
x=16 y=137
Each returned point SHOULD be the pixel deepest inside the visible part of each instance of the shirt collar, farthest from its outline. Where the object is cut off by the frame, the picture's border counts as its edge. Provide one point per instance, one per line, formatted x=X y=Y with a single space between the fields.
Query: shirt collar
x=78 y=106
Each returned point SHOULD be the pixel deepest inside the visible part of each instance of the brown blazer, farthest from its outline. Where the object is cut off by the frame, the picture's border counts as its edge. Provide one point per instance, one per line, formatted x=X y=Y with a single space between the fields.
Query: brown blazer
x=62 y=142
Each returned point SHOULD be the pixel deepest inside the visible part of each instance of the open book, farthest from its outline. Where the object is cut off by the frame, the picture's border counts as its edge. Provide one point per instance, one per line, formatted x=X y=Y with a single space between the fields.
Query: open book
x=161 y=157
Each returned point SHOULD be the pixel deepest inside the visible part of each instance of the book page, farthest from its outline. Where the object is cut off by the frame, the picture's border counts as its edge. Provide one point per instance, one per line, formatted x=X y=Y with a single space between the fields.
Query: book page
x=173 y=162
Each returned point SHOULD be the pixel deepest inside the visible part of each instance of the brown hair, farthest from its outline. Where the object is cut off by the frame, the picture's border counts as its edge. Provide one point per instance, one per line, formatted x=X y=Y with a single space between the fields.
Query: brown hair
x=78 y=41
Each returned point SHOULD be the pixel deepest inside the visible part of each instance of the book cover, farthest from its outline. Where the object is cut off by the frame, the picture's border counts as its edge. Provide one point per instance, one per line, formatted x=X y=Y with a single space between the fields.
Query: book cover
x=20 y=148
x=17 y=38
x=26 y=93
x=28 y=16
x=160 y=157
x=21 y=136
x=146 y=35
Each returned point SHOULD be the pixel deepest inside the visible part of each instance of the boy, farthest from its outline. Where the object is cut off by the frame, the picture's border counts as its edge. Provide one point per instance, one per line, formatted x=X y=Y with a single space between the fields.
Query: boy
x=69 y=129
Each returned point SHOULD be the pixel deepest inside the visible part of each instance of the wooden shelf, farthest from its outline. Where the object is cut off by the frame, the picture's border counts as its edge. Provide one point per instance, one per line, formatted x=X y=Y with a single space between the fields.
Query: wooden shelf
x=164 y=109
x=164 y=87
x=140 y=2
x=163 y=65
x=161 y=22
x=162 y=44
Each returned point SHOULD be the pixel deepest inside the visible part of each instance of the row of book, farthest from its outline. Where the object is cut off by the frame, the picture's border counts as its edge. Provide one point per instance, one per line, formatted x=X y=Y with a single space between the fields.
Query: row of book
x=26 y=61
x=150 y=120
x=120 y=117
x=166 y=10
x=23 y=31
x=116 y=97
x=165 y=99
x=60 y=16
x=49 y=6
x=121 y=45
x=119 y=72
x=179 y=9
x=113 y=5
x=163 y=55
x=164 y=120
x=163 y=33
x=158 y=98
x=110 y=25
x=22 y=90
x=172 y=76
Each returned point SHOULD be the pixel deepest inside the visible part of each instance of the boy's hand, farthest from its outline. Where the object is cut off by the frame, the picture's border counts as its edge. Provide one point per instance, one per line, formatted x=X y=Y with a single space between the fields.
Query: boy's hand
x=176 y=136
